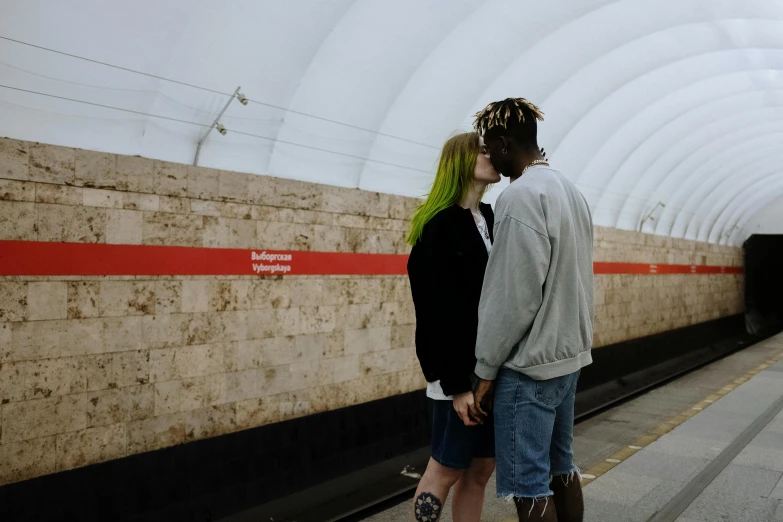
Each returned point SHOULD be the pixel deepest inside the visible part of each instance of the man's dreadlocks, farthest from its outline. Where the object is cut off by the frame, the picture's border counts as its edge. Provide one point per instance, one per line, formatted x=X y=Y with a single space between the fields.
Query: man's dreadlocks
x=506 y=113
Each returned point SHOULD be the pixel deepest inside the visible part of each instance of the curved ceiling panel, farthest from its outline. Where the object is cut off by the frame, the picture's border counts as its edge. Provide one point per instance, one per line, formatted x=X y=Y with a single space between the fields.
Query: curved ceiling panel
x=676 y=103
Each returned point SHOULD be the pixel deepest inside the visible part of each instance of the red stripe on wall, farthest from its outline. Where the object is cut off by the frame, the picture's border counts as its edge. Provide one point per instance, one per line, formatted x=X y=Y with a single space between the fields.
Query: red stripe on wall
x=34 y=258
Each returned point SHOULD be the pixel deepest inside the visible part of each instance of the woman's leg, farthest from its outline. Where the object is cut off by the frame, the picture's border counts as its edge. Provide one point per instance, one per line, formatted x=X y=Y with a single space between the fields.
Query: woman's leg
x=469 y=491
x=433 y=490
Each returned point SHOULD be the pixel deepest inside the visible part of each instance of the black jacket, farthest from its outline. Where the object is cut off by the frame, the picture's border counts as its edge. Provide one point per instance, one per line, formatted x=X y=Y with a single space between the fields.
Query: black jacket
x=446 y=271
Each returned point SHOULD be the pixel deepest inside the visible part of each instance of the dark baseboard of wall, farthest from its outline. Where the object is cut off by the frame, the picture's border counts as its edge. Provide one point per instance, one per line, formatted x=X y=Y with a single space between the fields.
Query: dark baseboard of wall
x=323 y=454
x=209 y=479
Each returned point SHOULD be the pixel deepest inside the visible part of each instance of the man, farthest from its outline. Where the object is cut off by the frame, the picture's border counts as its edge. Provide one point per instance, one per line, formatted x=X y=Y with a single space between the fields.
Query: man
x=535 y=318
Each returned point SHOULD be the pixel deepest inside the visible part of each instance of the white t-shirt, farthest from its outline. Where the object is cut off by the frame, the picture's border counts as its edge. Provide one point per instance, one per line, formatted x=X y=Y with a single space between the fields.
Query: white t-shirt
x=434 y=391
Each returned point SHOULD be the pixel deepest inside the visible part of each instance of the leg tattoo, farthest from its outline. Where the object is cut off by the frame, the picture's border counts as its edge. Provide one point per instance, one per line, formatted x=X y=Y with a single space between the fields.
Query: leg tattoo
x=427 y=507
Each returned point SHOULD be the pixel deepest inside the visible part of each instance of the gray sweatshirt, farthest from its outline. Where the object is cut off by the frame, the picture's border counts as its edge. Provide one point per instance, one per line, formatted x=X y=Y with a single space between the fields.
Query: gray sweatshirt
x=536 y=309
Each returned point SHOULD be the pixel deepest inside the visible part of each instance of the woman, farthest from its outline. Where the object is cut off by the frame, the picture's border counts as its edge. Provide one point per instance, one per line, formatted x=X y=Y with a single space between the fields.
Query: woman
x=451 y=234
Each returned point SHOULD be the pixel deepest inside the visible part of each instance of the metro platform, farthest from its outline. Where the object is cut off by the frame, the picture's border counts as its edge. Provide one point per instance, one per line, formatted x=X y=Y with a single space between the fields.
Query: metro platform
x=706 y=447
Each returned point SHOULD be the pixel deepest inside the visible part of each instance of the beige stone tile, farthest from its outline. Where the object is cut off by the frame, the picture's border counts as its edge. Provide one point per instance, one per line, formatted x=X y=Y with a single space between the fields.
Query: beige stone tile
x=51 y=163
x=131 y=368
x=137 y=201
x=203 y=183
x=6 y=340
x=84 y=299
x=167 y=397
x=58 y=194
x=137 y=172
x=71 y=224
x=317 y=319
x=171 y=179
x=216 y=232
x=121 y=298
x=242 y=233
x=27 y=459
x=106 y=407
x=102 y=198
x=236 y=210
x=140 y=401
x=367 y=340
x=247 y=384
x=98 y=170
x=13 y=159
x=124 y=227
x=276 y=236
x=122 y=334
x=47 y=301
x=269 y=293
x=214 y=327
x=257 y=412
x=196 y=294
x=142 y=298
x=51 y=378
x=210 y=422
x=233 y=186
x=388 y=361
x=261 y=190
x=295 y=404
x=175 y=205
x=225 y=296
x=403 y=336
x=12 y=385
x=207 y=207
x=168 y=296
x=155 y=433
x=161 y=228
x=18 y=221
x=13 y=301
x=334 y=344
x=201 y=392
x=161 y=331
x=98 y=372
x=249 y=354
x=284 y=350
x=346 y=368
x=262 y=213
x=90 y=446
x=31 y=341
x=82 y=337
x=310 y=292
x=188 y=361
x=43 y=417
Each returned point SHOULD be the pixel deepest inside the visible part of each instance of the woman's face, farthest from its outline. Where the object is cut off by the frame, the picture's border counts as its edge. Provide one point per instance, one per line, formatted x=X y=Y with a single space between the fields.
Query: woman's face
x=485 y=172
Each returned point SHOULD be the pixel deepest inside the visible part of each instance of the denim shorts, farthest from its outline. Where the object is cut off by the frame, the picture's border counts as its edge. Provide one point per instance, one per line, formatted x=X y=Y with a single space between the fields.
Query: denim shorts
x=534 y=431
x=455 y=445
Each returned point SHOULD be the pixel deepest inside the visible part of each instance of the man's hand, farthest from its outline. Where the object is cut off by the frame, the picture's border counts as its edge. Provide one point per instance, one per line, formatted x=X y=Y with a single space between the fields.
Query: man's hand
x=483 y=398
x=463 y=403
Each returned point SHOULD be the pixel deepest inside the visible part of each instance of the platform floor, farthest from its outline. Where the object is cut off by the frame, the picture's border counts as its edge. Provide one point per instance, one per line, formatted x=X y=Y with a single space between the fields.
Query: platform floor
x=677 y=431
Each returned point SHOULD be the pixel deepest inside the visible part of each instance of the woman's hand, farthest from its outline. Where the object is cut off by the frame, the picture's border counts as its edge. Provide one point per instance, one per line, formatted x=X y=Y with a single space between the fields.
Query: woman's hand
x=463 y=403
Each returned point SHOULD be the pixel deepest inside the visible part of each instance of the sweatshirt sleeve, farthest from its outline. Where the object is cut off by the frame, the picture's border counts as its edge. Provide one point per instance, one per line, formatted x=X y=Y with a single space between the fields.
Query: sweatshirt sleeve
x=512 y=293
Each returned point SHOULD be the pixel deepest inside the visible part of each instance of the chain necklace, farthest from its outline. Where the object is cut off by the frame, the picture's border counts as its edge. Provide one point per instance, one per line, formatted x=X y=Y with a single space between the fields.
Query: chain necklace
x=481 y=224
x=536 y=162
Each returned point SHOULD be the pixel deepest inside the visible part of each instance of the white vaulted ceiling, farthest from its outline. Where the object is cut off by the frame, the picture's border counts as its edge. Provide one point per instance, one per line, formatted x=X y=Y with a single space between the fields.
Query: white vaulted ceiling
x=672 y=108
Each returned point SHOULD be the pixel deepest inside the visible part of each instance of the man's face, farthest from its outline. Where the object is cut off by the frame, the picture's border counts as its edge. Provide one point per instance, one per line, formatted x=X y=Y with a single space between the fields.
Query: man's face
x=495 y=149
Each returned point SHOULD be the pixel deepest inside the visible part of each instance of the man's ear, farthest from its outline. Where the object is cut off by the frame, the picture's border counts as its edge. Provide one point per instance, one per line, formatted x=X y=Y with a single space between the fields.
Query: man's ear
x=504 y=144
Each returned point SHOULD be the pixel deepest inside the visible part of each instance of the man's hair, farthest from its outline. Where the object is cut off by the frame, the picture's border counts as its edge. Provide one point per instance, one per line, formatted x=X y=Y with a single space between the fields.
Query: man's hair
x=516 y=115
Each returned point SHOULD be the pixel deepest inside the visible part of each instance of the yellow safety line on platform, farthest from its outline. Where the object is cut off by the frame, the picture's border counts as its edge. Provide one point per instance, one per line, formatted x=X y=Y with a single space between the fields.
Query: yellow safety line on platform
x=667 y=426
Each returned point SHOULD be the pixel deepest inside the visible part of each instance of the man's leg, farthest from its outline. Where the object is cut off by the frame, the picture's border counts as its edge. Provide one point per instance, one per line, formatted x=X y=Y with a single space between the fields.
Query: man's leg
x=566 y=483
x=433 y=490
x=469 y=491
x=524 y=419
x=541 y=510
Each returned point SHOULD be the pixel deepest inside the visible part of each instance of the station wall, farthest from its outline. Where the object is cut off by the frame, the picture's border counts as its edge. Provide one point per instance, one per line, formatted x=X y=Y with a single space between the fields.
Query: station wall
x=96 y=367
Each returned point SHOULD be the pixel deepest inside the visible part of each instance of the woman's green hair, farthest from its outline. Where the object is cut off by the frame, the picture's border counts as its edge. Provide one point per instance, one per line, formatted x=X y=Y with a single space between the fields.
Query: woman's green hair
x=453 y=180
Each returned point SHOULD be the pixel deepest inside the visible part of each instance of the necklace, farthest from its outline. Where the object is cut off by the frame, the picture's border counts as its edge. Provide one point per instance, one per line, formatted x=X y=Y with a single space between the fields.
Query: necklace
x=536 y=162
x=481 y=224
